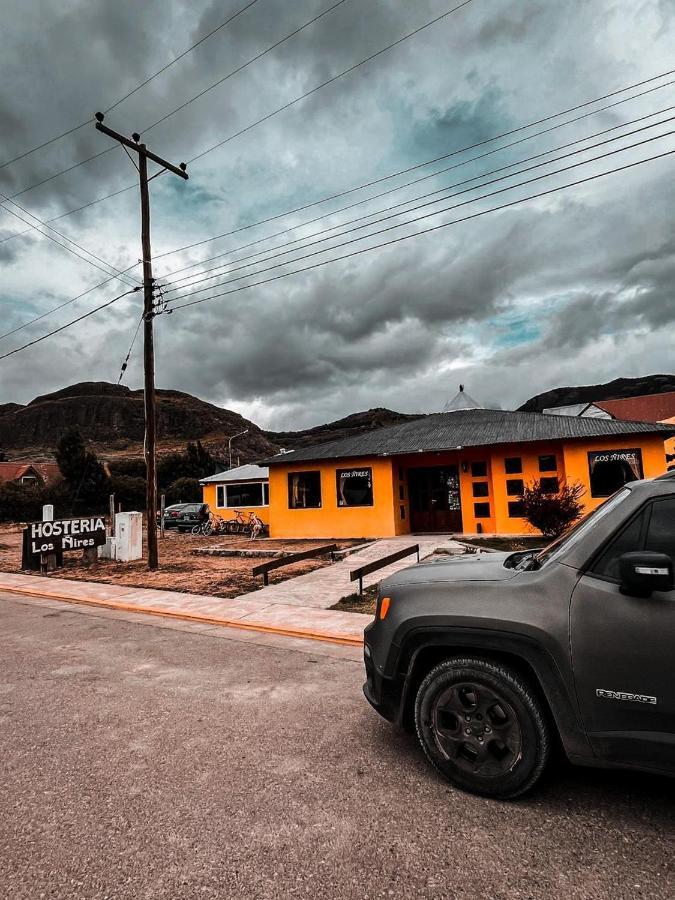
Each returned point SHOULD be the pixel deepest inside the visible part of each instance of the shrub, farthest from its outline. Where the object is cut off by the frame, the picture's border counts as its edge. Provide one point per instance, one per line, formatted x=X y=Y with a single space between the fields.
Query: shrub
x=128 y=491
x=82 y=472
x=552 y=513
x=20 y=502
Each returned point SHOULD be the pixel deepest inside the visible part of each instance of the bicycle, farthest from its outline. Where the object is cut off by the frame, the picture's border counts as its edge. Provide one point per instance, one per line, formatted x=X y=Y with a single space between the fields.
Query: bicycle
x=237 y=525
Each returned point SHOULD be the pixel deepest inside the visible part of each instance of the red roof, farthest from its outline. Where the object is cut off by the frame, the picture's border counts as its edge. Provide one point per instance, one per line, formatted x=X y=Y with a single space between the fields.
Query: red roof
x=48 y=473
x=648 y=408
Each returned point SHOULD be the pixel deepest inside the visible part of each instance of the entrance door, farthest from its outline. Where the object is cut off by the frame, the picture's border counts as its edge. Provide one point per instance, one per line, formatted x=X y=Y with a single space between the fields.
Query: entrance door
x=434 y=499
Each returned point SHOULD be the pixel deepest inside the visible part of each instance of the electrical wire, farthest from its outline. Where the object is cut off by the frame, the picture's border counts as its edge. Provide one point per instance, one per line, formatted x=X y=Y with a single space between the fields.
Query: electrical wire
x=331 y=80
x=180 y=56
x=168 y=279
x=117 y=272
x=128 y=356
x=441 y=158
x=436 y=213
x=138 y=87
x=274 y=112
x=119 y=275
x=433 y=228
x=62 y=305
x=276 y=255
x=69 y=324
x=385 y=177
x=245 y=65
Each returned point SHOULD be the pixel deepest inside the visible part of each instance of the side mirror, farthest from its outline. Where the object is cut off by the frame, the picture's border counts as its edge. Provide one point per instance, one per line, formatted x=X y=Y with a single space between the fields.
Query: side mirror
x=643 y=573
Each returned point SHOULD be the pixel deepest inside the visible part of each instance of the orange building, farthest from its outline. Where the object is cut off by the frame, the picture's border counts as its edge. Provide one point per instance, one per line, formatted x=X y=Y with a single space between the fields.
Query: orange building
x=245 y=488
x=462 y=471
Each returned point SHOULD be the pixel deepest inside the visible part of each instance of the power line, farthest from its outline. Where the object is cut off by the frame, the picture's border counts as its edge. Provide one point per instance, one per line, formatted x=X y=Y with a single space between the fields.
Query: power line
x=312 y=243
x=119 y=275
x=62 y=305
x=128 y=356
x=75 y=128
x=274 y=112
x=293 y=228
x=331 y=80
x=180 y=56
x=429 y=215
x=385 y=177
x=433 y=228
x=69 y=324
x=444 y=156
x=117 y=272
x=245 y=65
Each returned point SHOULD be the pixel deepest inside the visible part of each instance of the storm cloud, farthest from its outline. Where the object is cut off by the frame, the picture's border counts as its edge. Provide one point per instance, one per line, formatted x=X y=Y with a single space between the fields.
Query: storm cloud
x=570 y=288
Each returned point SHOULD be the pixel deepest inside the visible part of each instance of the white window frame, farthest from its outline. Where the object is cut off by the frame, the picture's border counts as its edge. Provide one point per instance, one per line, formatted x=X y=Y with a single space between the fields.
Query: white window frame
x=221 y=494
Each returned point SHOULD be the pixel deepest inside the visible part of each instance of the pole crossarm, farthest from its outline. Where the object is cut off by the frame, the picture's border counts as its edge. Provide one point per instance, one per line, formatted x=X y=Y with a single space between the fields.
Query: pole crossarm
x=179 y=170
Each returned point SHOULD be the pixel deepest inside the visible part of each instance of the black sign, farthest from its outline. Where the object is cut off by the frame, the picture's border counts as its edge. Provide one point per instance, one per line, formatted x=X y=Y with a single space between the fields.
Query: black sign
x=65 y=534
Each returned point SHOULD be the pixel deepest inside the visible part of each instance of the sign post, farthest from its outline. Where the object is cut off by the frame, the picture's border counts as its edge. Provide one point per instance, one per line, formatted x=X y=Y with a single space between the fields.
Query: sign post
x=51 y=538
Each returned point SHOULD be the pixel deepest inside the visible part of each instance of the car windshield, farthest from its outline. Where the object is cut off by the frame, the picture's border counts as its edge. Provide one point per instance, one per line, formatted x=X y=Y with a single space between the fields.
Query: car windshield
x=574 y=534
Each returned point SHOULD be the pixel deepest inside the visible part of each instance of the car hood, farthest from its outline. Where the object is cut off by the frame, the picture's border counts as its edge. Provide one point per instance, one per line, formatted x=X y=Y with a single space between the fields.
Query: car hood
x=469 y=567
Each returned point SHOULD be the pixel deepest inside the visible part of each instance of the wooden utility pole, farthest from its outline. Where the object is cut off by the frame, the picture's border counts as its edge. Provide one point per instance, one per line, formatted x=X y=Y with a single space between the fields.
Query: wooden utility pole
x=148 y=319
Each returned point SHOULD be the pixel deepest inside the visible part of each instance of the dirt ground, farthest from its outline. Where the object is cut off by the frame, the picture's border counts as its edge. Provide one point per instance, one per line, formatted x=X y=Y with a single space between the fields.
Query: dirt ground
x=179 y=570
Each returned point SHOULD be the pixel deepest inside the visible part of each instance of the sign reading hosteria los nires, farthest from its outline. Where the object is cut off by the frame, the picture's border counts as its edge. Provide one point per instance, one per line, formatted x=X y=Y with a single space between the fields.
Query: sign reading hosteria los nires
x=66 y=534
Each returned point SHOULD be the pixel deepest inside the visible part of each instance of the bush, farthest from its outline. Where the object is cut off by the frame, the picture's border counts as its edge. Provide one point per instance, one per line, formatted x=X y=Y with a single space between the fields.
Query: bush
x=128 y=491
x=195 y=463
x=184 y=490
x=132 y=468
x=20 y=502
x=552 y=513
x=82 y=472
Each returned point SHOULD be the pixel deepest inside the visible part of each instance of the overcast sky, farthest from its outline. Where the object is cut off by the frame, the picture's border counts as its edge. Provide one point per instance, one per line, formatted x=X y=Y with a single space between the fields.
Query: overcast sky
x=575 y=287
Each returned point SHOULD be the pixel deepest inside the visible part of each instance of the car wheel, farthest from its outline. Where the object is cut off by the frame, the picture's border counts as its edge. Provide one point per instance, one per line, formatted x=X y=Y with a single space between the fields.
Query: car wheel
x=482 y=727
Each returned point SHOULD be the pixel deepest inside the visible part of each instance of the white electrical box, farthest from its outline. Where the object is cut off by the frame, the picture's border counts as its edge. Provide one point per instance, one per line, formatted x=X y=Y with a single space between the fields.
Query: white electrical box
x=128 y=543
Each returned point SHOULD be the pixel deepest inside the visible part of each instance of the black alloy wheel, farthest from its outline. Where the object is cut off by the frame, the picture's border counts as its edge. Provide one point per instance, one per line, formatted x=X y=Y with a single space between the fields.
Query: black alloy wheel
x=482 y=727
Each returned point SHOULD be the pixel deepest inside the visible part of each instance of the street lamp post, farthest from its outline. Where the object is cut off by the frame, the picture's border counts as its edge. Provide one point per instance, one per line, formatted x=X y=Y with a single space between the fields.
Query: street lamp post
x=229 y=443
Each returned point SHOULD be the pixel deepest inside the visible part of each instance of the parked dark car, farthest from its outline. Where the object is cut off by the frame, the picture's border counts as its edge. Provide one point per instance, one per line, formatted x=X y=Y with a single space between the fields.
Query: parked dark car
x=171 y=514
x=496 y=658
x=192 y=514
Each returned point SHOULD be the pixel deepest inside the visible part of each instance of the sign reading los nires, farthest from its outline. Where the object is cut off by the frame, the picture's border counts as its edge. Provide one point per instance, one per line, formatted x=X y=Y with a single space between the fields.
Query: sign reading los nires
x=66 y=534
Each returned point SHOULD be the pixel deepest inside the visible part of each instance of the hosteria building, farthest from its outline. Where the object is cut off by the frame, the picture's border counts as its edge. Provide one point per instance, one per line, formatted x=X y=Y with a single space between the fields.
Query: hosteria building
x=458 y=471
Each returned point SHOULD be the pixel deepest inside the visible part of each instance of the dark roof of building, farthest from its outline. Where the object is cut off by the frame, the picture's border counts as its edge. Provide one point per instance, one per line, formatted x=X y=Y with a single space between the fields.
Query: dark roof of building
x=468 y=428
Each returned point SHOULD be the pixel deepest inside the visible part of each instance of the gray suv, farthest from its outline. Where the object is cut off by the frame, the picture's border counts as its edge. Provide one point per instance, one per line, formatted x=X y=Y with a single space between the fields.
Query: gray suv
x=496 y=658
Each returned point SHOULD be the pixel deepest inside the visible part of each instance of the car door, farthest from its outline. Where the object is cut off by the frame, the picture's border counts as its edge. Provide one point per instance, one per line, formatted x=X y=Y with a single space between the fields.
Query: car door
x=623 y=647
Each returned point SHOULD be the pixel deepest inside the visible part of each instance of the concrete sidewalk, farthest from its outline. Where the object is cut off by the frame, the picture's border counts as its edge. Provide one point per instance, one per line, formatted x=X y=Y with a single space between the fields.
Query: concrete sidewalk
x=241 y=612
x=295 y=608
x=324 y=587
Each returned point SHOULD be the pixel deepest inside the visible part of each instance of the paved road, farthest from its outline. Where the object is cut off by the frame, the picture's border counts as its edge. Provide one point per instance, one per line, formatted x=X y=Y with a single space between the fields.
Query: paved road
x=144 y=761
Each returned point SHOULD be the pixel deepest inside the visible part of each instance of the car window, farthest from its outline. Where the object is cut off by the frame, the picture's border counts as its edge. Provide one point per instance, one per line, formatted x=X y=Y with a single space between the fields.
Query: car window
x=571 y=537
x=628 y=540
x=661 y=531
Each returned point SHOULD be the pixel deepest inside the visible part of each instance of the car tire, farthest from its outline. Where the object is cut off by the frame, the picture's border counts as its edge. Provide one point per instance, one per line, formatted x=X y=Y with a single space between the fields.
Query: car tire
x=482 y=727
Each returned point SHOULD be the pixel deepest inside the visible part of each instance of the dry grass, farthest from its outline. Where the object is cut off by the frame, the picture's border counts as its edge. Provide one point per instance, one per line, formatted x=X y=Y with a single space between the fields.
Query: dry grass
x=179 y=569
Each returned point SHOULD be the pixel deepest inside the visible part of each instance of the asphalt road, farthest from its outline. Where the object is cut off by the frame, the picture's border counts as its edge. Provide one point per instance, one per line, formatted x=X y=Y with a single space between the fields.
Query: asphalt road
x=139 y=761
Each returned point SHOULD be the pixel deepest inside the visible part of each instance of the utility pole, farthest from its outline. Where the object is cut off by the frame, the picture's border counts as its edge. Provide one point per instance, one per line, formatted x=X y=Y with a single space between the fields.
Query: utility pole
x=143 y=155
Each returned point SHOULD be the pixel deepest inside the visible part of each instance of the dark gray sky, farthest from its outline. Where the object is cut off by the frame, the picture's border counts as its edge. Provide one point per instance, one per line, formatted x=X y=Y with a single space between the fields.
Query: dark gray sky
x=572 y=288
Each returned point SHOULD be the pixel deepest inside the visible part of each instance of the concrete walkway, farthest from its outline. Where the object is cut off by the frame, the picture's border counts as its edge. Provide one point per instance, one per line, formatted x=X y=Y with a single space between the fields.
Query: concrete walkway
x=322 y=588
x=295 y=608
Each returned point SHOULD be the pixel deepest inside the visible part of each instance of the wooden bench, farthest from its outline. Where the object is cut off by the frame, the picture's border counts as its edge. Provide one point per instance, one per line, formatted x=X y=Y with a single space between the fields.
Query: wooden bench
x=265 y=568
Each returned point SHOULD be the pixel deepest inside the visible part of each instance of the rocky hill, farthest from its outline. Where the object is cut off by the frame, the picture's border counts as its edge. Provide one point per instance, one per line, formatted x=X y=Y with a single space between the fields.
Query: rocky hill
x=612 y=390
x=356 y=423
x=111 y=417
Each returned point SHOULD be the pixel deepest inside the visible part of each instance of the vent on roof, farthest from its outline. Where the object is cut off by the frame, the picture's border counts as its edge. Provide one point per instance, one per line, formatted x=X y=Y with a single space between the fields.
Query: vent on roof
x=462 y=400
